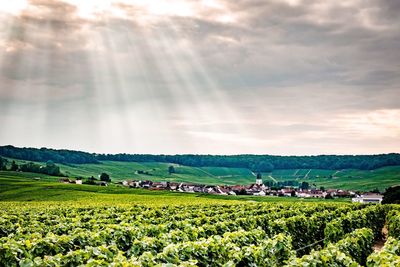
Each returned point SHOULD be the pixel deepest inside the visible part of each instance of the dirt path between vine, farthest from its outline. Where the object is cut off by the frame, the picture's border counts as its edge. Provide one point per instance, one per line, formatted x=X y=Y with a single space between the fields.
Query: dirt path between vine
x=381 y=242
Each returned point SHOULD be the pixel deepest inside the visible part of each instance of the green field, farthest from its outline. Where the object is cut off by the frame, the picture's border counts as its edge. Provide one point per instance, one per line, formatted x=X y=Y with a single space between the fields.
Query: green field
x=28 y=188
x=120 y=171
x=343 y=179
x=201 y=233
x=338 y=179
x=24 y=187
x=47 y=223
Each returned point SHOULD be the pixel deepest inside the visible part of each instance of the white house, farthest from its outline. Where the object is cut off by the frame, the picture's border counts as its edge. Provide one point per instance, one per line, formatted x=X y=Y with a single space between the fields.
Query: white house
x=261 y=193
x=368 y=198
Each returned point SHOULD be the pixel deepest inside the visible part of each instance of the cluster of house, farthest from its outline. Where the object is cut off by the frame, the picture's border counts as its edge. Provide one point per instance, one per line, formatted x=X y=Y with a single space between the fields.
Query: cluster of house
x=69 y=181
x=257 y=189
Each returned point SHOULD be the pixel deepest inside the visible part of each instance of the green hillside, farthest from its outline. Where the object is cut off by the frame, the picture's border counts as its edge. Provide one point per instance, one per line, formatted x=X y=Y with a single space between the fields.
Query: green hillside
x=27 y=187
x=341 y=179
x=344 y=179
x=33 y=189
x=120 y=171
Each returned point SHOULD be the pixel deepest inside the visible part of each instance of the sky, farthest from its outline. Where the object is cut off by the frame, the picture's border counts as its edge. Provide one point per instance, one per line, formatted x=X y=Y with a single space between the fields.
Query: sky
x=281 y=77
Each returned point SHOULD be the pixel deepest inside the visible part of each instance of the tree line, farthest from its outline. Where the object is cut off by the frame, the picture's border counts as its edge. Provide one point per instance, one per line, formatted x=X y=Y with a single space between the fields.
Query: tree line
x=50 y=168
x=257 y=163
x=47 y=154
x=266 y=163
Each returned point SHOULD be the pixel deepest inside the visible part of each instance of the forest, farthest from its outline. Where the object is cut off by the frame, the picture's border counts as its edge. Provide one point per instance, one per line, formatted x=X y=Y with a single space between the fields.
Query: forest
x=257 y=163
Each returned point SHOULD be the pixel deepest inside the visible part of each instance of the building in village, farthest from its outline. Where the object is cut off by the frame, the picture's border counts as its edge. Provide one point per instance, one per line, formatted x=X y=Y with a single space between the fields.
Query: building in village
x=368 y=198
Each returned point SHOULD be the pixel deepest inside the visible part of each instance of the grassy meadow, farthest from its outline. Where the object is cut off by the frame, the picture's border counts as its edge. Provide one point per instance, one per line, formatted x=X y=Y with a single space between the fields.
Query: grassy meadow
x=28 y=189
x=339 y=179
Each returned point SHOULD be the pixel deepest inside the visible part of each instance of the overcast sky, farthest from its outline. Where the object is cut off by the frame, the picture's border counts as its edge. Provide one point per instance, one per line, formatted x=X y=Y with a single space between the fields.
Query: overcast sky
x=220 y=77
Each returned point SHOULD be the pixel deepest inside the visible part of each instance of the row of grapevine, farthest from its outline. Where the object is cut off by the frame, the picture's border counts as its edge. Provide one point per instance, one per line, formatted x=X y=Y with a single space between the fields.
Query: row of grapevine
x=250 y=234
x=352 y=250
x=372 y=217
x=63 y=221
x=393 y=220
x=388 y=256
x=153 y=238
x=390 y=253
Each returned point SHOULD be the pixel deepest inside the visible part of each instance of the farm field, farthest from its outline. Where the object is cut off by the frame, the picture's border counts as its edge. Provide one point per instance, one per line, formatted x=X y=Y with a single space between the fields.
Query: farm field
x=25 y=188
x=200 y=234
x=381 y=178
x=47 y=223
x=342 y=179
x=157 y=172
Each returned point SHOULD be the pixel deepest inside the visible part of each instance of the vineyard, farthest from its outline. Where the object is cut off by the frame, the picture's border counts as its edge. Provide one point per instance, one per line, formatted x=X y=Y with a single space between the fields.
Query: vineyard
x=248 y=234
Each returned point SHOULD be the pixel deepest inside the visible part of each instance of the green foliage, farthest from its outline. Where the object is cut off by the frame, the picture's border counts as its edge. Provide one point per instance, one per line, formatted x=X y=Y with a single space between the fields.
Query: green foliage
x=334 y=231
x=304 y=185
x=50 y=168
x=357 y=244
x=371 y=216
x=266 y=163
x=46 y=154
x=3 y=164
x=360 y=180
x=388 y=256
x=258 y=163
x=393 y=220
x=392 y=195
x=14 y=166
x=171 y=169
x=350 y=251
x=105 y=177
x=117 y=226
x=330 y=256
x=217 y=234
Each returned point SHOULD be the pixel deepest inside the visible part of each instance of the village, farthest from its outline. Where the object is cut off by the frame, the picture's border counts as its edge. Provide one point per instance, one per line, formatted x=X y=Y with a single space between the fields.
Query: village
x=256 y=189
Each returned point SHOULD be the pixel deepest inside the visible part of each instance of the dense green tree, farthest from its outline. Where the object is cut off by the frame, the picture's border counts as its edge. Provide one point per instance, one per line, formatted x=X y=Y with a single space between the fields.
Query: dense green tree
x=52 y=169
x=91 y=180
x=328 y=196
x=3 y=164
x=304 y=185
x=392 y=195
x=257 y=163
x=46 y=154
x=105 y=177
x=171 y=169
x=49 y=169
x=14 y=166
x=242 y=192
x=30 y=167
x=376 y=191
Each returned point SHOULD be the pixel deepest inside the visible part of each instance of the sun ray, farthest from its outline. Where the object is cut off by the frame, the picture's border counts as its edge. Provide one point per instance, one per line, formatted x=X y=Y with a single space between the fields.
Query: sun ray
x=13 y=7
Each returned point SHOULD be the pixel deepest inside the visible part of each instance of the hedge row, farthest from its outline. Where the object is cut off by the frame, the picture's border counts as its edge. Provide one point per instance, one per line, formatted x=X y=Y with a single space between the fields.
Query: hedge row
x=388 y=256
x=352 y=250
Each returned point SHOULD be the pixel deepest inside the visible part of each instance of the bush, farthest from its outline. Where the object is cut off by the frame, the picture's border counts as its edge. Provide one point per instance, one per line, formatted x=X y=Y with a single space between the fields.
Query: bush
x=392 y=195
x=388 y=256
x=350 y=251
x=393 y=220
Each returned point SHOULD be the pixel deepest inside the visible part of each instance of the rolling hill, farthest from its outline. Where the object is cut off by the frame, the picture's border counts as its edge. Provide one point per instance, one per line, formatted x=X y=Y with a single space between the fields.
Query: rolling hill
x=380 y=178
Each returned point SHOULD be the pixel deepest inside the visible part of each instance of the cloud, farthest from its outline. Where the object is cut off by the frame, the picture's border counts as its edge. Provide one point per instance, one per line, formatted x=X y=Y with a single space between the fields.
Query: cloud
x=234 y=76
